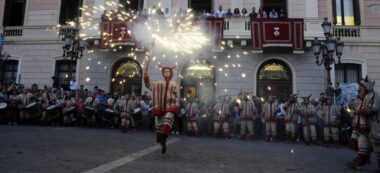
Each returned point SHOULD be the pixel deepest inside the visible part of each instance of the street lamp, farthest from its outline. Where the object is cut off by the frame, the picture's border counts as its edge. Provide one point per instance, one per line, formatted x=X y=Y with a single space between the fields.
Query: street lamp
x=72 y=45
x=327 y=48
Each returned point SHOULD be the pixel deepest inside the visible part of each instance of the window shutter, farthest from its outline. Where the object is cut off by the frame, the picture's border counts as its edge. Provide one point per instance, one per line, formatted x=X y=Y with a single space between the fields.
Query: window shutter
x=356 y=6
x=334 y=11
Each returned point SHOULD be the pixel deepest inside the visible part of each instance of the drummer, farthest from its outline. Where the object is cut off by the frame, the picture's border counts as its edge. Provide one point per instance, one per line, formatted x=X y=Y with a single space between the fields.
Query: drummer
x=68 y=111
x=89 y=109
x=131 y=106
x=100 y=103
x=13 y=108
x=111 y=105
x=121 y=110
x=44 y=104
x=23 y=101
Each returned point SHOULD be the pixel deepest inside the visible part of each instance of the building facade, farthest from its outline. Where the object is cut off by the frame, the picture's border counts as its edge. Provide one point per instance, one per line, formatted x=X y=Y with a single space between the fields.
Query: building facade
x=34 y=42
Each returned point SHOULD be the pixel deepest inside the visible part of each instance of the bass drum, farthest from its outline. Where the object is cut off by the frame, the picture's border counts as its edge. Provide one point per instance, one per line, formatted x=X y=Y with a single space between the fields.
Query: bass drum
x=3 y=109
x=33 y=109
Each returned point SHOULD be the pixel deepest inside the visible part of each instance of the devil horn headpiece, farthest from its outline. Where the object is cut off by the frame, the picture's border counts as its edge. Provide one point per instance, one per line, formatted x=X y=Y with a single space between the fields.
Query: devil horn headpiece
x=172 y=67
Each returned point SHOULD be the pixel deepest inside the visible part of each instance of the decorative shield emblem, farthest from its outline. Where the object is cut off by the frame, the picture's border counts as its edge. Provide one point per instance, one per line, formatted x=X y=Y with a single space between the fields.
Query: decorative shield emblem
x=276 y=32
x=122 y=32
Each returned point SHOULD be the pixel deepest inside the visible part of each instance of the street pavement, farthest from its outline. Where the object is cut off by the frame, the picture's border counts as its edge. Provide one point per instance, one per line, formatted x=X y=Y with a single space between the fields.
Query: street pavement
x=68 y=149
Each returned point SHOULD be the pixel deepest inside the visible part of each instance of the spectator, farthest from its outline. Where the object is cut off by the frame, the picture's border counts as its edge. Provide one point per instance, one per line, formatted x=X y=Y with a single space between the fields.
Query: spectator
x=253 y=13
x=282 y=13
x=229 y=13
x=273 y=14
x=338 y=94
x=220 y=12
x=167 y=13
x=73 y=84
x=329 y=92
x=236 y=12
x=262 y=13
x=55 y=82
x=104 y=16
x=244 y=12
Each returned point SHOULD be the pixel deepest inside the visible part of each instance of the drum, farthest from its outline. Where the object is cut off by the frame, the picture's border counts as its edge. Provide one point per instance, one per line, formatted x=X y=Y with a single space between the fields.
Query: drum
x=3 y=106
x=109 y=111
x=51 y=107
x=31 y=105
x=88 y=108
x=70 y=110
x=33 y=109
x=137 y=110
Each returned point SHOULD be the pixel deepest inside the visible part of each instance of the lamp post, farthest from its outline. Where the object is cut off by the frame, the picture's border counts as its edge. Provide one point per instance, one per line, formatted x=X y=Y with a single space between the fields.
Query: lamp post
x=327 y=48
x=72 y=45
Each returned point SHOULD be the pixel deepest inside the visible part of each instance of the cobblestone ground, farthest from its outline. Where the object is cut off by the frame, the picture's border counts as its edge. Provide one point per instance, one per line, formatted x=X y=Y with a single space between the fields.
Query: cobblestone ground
x=67 y=149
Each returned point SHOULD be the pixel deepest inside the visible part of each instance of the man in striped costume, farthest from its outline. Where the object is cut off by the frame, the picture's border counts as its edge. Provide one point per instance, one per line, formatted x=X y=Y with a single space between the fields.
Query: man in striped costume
x=247 y=115
x=308 y=114
x=365 y=109
x=331 y=115
x=165 y=95
x=292 y=110
x=373 y=110
x=221 y=113
x=191 y=114
x=269 y=113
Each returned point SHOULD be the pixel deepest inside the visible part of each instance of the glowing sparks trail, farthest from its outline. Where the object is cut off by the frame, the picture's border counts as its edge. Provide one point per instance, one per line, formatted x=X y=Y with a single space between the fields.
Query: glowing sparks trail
x=177 y=33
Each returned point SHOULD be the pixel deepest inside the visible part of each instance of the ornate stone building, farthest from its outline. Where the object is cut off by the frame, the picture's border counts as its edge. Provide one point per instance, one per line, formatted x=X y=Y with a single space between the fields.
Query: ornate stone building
x=262 y=56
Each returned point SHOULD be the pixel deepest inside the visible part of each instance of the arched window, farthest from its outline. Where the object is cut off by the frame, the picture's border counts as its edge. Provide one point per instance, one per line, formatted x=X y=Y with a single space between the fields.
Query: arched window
x=199 y=70
x=346 y=12
x=198 y=80
x=126 y=76
x=129 y=69
x=274 y=71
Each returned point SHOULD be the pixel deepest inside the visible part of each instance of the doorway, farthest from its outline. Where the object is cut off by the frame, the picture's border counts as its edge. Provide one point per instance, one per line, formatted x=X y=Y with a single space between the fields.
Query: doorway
x=198 y=80
x=274 y=77
x=126 y=77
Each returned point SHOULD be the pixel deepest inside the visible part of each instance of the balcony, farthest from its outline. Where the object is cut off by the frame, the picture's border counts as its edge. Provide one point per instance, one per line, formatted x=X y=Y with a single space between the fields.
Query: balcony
x=361 y=34
x=115 y=33
x=32 y=33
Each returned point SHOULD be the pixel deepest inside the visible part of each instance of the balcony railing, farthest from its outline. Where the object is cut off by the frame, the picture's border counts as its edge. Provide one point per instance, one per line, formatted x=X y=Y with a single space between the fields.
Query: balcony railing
x=64 y=30
x=237 y=28
x=13 y=31
x=346 y=31
x=32 y=33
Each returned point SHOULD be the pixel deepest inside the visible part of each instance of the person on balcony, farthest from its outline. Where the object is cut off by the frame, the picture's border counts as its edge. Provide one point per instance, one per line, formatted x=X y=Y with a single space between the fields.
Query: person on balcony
x=237 y=12
x=262 y=13
x=244 y=12
x=229 y=13
x=282 y=14
x=167 y=13
x=253 y=13
x=273 y=14
x=220 y=12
